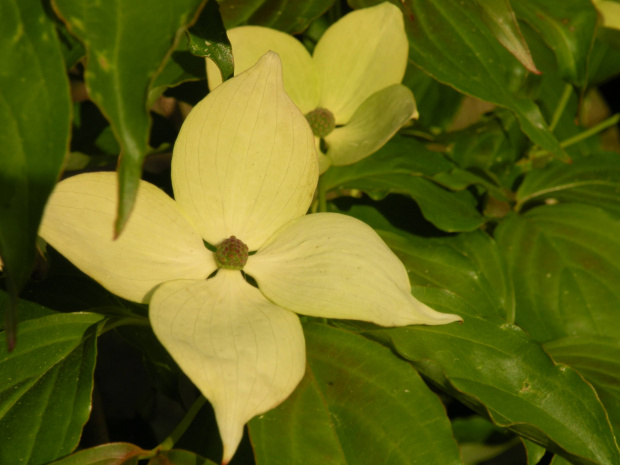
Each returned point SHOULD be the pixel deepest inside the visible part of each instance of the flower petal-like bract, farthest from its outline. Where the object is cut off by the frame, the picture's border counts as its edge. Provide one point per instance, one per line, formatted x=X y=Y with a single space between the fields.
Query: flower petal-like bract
x=335 y=266
x=157 y=245
x=244 y=163
x=249 y=43
x=362 y=53
x=365 y=133
x=243 y=352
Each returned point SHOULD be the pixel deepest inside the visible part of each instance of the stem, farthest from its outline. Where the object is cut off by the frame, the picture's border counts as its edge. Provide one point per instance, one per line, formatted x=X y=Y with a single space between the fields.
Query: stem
x=171 y=440
x=611 y=121
x=321 y=195
x=557 y=114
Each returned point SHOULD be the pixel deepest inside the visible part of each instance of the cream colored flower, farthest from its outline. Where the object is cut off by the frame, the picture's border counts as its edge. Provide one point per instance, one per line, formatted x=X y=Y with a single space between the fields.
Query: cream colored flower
x=244 y=165
x=354 y=74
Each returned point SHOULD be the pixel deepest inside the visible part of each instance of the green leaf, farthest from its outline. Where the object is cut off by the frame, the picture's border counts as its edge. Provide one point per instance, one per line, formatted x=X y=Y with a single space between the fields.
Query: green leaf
x=179 y=457
x=398 y=167
x=436 y=102
x=127 y=44
x=207 y=38
x=534 y=452
x=569 y=30
x=181 y=66
x=593 y=180
x=358 y=404
x=449 y=40
x=291 y=17
x=501 y=21
x=118 y=453
x=45 y=387
x=598 y=360
x=35 y=121
x=565 y=263
x=496 y=369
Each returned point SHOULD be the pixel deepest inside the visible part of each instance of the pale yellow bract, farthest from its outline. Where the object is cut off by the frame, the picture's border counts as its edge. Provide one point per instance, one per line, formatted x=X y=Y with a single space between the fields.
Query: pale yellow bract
x=355 y=72
x=244 y=164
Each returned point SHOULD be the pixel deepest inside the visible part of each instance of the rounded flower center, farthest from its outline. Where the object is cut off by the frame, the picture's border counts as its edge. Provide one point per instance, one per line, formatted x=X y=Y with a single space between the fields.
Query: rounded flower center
x=321 y=121
x=231 y=254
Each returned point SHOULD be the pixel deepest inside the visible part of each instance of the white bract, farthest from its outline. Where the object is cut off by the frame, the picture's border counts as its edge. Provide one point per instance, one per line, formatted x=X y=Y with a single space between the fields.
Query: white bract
x=355 y=73
x=244 y=165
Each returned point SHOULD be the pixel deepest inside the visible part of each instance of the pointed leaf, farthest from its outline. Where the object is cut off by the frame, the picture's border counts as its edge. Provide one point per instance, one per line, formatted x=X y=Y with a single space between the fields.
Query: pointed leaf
x=598 y=360
x=501 y=20
x=119 y=76
x=364 y=405
x=495 y=368
x=593 y=180
x=118 y=453
x=45 y=387
x=207 y=38
x=398 y=167
x=33 y=142
x=564 y=260
x=568 y=28
x=179 y=457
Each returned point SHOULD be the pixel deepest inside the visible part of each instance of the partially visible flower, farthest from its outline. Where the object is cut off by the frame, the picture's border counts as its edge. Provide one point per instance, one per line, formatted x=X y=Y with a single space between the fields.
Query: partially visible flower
x=244 y=171
x=610 y=11
x=349 y=88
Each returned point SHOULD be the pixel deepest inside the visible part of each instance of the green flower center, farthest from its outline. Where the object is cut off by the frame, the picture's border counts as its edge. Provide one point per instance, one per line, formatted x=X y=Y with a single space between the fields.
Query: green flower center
x=231 y=254
x=321 y=121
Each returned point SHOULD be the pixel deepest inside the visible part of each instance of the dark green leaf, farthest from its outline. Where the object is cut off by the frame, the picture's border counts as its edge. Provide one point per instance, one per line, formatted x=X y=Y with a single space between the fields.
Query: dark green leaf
x=436 y=102
x=598 y=360
x=501 y=21
x=179 y=457
x=127 y=44
x=287 y=16
x=45 y=387
x=358 y=404
x=398 y=167
x=119 y=453
x=207 y=38
x=568 y=28
x=495 y=368
x=564 y=260
x=449 y=40
x=593 y=180
x=34 y=136
x=534 y=452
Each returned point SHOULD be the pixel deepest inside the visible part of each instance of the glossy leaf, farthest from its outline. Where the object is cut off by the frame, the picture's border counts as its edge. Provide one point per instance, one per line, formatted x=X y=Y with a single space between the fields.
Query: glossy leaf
x=495 y=368
x=569 y=30
x=179 y=457
x=449 y=40
x=593 y=180
x=501 y=21
x=564 y=260
x=119 y=76
x=35 y=120
x=598 y=360
x=117 y=453
x=401 y=167
x=207 y=38
x=45 y=387
x=357 y=405
x=291 y=17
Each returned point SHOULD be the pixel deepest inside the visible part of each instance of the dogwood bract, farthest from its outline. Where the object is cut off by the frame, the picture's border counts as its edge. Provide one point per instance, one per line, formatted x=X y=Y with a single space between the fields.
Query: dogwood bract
x=244 y=165
x=349 y=88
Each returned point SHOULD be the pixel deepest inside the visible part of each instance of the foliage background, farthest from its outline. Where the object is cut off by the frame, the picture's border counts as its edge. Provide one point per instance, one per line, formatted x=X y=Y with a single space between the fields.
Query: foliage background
x=508 y=218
